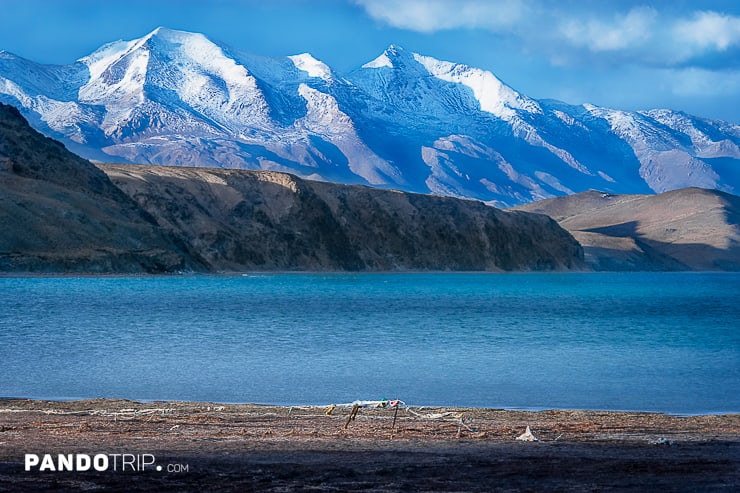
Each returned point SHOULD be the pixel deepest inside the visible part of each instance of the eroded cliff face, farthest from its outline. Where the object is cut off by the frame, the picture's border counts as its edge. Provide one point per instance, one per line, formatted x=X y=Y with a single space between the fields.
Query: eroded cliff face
x=62 y=214
x=252 y=220
x=392 y=230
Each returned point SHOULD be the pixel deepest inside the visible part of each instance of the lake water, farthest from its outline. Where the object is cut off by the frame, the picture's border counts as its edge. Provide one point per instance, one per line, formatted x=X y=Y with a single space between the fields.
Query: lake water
x=630 y=341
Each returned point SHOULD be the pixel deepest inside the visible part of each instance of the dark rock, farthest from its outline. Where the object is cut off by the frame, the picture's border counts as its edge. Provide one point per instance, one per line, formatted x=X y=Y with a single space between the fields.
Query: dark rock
x=60 y=213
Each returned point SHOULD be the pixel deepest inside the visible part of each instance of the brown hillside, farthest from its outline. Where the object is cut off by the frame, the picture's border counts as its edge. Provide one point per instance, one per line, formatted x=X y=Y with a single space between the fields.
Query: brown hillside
x=261 y=220
x=688 y=229
x=59 y=213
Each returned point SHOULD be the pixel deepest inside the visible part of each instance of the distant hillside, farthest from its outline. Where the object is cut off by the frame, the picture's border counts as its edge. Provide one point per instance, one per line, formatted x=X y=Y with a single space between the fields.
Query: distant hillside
x=688 y=229
x=61 y=214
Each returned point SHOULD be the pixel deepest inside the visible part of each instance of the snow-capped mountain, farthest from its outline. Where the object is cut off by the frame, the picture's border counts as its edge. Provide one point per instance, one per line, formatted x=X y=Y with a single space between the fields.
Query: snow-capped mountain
x=402 y=120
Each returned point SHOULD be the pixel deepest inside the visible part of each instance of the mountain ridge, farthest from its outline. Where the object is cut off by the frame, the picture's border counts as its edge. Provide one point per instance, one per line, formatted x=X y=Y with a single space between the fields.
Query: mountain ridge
x=402 y=121
x=62 y=214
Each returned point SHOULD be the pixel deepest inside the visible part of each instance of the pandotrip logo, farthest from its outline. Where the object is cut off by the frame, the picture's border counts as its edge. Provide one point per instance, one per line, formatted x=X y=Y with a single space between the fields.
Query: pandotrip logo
x=99 y=463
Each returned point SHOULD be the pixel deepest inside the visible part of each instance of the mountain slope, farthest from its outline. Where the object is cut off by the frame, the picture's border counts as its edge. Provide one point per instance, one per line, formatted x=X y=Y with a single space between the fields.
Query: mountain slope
x=61 y=213
x=688 y=229
x=238 y=219
x=403 y=121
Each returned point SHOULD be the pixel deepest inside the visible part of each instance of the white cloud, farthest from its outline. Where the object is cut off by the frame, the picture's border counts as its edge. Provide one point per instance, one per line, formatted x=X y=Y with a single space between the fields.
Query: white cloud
x=622 y=32
x=574 y=32
x=709 y=30
x=438 y=15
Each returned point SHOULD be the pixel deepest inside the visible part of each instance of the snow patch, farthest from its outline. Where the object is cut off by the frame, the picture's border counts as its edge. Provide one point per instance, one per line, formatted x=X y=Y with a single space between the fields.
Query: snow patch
x=568 y=120
x=381 y=61
x=665 y=163
x=324 y=117
x=212 y=59
x=704 y=145
x=322 y=112
x=494 y=96
x=109 y=84
x=105 y=56
x=12 y=89
x=62 y=116
x=313 y=67
x=529 y=133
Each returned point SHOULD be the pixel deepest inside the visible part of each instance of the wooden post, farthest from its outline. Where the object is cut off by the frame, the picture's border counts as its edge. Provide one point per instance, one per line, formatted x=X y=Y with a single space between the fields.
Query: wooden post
x=352 y=415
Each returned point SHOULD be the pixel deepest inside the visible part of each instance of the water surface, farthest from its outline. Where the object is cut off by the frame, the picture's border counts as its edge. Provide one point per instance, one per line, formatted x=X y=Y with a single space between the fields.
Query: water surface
x=629 y=341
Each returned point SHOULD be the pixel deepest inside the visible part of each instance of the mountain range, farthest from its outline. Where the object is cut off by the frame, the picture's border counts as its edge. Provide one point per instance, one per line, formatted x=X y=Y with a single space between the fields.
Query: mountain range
x=402 y=121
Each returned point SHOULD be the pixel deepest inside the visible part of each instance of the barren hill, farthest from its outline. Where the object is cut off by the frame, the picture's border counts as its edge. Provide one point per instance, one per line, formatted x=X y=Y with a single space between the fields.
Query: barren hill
x=239 y=219
x=687 y=229
x=59 y=213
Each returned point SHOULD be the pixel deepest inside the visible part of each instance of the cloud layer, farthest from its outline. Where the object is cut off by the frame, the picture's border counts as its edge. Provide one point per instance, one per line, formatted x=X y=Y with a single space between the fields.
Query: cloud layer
x=437 y=15
x=571 y=33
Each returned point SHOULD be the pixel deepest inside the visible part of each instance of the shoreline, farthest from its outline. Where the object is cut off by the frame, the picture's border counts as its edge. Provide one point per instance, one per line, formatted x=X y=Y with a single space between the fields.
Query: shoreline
x=258 y=273
x=74 y=400
x=286 y=448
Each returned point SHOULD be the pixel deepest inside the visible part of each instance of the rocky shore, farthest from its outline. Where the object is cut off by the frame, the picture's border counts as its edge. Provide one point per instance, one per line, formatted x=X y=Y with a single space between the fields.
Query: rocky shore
x=187 y=446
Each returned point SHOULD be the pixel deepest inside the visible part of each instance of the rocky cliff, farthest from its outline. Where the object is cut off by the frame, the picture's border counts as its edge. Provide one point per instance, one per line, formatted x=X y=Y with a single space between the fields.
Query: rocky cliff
x=60 y=214
x=237 y=220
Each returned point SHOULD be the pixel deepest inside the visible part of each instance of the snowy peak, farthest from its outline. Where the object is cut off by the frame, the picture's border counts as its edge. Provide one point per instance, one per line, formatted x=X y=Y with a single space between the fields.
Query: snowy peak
x=174 y=51
x=490 y=93
x=128 y=74
x=394 y=57
x=403 y=85
x=117 y=71
x=381 y=61
x=404 y=121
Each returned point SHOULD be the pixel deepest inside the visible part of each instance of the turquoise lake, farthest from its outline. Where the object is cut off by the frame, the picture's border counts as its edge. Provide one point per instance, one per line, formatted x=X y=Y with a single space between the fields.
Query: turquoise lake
x=629 y=341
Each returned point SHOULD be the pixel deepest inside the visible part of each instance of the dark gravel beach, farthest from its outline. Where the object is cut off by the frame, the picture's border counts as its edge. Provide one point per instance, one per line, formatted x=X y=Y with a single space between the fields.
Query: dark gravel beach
x=216 y=447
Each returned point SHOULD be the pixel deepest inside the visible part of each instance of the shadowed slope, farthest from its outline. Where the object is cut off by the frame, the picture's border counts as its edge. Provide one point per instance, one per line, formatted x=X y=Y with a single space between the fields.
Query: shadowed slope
x=259 y=220
x=688 y=229
x=59 y=213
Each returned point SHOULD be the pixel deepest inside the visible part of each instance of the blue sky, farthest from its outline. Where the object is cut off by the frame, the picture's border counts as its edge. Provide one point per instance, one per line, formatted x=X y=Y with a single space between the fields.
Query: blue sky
x=623 y=54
